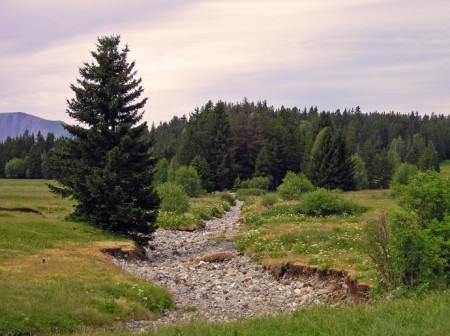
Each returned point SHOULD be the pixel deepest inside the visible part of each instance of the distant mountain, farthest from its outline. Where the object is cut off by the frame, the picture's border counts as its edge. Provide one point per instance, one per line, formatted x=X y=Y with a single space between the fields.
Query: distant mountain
x=16 y=123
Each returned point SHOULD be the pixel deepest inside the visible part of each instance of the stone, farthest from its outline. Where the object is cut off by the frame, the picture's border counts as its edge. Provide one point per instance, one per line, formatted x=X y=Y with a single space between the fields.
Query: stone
x=221 y=290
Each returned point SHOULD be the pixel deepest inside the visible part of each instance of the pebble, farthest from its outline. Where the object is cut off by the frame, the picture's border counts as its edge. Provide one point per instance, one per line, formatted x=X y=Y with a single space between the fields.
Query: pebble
x=219 y=291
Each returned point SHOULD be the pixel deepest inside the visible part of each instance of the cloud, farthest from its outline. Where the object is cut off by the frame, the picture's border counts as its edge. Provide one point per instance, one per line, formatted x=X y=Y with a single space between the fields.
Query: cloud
x=381 y=55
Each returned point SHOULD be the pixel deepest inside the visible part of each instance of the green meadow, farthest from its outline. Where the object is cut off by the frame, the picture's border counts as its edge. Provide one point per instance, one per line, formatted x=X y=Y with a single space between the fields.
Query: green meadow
x=53 y=277
x=55 y=280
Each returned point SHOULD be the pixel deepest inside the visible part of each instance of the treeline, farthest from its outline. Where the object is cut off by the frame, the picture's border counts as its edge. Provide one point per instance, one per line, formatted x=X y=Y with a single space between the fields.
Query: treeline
x=25 y=156
x=342 y=149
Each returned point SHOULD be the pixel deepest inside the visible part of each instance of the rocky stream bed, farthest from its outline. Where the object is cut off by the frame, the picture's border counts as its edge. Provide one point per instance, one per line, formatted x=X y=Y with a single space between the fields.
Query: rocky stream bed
x=209 y=279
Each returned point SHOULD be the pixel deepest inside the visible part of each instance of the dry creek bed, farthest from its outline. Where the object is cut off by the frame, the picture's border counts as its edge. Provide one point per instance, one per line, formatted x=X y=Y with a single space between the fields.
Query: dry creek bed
x=210 y=280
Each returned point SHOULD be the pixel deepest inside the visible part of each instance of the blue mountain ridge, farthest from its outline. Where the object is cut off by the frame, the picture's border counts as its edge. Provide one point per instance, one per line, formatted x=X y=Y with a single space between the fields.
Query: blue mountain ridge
x=14 y=124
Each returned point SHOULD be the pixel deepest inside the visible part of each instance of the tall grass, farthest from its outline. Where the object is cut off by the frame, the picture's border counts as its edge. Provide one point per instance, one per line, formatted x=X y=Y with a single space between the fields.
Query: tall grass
x=417 y=316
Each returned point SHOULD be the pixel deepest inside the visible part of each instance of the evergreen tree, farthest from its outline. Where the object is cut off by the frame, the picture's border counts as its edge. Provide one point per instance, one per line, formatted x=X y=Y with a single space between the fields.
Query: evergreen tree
x=203 y=171
x=382 y=170
x=220 y=156
x=429 y=160
x=187 y=177
x=368 y=153
x=195 y=137
x=343 y=177
x=49 y=141
x=416 y=149
x=161 y=172
x=107 y=167
x=172 y=170
x=360 y=173
x=34 y=169
x=263 y=164
x=248 y=141
x=331 y=165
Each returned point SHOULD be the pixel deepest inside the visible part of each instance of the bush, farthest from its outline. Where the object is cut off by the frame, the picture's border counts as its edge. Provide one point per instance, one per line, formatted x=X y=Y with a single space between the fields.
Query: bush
x=377 y=243
x=258 y=182
x=173 y=198
x=419 y=243
x=323 y=202
x=237 y=183
x=227 y=197
x=403 y=174
x=189 y=180
x=242 y=193
x=172 y=221
x=421 y=234
x=15 y=168
x=294 y=186
x=269 y=200
x=417 y=257
x=428 y=195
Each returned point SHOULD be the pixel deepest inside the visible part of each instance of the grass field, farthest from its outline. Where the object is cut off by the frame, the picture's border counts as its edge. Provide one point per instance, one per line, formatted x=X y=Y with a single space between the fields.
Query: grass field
x=55 y=280
x=445 y=168
x=277 y=234
x=426 y=316
x=53 y=277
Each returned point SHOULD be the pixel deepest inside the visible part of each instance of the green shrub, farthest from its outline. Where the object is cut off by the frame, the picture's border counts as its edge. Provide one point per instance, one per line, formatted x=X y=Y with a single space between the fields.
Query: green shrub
x=403 y=174
x=237 y=183
x=323 y=202
x=269 y=200
x=15 y=168
x=421 y=234
x=173 y=221
x=227 y=197
x=294 y=186
x=377 y=243
x=428 y=195
x=188 y=179
x=243 y=193
x=173 y=198
x=417 y=255
x=414 y=250
x=258 y=182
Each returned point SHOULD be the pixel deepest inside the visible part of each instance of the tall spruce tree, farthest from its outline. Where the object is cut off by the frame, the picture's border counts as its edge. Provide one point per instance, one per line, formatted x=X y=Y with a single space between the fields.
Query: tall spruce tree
x=331 y=165
x=106 y=165
x=220 y=156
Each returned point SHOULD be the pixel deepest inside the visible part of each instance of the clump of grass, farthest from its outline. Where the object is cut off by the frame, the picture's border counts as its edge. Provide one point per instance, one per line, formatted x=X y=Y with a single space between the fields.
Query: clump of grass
x=171 y=221
x=269 y=200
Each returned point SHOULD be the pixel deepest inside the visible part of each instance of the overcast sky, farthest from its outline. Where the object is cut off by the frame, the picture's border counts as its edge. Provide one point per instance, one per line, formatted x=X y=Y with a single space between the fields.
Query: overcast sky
x=384 y=55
